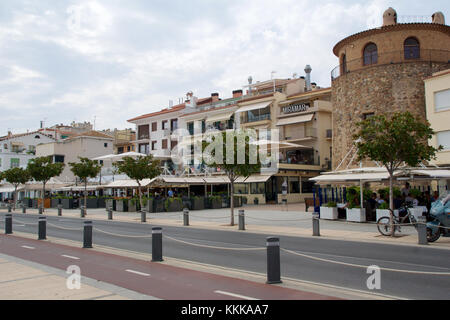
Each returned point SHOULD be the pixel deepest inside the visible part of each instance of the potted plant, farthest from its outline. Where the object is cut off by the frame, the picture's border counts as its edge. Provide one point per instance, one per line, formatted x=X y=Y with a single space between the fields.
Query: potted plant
x=67 y=202
x=383 y=211
x=159 y=205
x=216 y=202
x=122 y=205
x=92 y=203
x=329 y=211
x=354 y=211
x=101 y=202
x=132 y=205
x=174 y=204
x=198 y=203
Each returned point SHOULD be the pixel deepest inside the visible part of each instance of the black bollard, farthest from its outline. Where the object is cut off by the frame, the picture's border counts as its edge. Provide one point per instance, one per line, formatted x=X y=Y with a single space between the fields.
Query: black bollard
x=157 y=244
x=42 y=226
x=82 y=212
x=273 y=260
x=241 y=219
x=24 y=209
x=41 y=210
x=110 y=213
x=59 y=210
x=422 y=230
x=186 y=217
x=9 y=208
x=143 y=216
x=8 y=224
x=87 y=235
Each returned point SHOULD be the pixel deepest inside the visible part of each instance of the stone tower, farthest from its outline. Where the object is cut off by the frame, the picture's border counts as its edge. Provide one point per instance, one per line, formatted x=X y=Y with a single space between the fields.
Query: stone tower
x=382 y=71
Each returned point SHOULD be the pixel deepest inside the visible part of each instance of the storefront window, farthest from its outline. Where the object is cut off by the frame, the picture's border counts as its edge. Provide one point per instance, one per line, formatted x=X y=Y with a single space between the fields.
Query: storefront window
x=298 y=157
x=258 y=188
x=307 y=186
x=294 y=185
x=240 y=188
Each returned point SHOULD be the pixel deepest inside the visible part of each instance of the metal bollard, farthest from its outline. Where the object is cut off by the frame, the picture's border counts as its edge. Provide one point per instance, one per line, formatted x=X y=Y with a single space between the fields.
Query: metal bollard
x=8 y=224
x=316 y=225
x=41 y=210
x=87 y=235
x=59 y=210
x=42 y=227
x=186 y=217
x=422 y=230
x=273 y=260
x=157 y=244
x=110 y=213
x=24 y=209
x=143 y=216
x=9 y=208
x=241 y=219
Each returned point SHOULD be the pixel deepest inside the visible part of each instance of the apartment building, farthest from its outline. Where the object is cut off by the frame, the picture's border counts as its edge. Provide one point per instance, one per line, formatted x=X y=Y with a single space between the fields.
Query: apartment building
x=87 y=145
x=16 y=150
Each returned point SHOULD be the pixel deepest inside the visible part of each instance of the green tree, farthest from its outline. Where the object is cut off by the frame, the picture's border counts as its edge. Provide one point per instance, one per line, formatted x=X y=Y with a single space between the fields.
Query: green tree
x=395 y=141
x=139 y=169
x=84 y=170
x=232 y=152
x=42 y=169
x=16 y=177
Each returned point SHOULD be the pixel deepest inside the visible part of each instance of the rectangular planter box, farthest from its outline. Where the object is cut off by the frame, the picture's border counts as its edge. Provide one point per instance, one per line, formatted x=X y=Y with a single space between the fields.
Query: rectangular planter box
x=34 y=203
x=67 y=203
x=101 y=203
x=216 y=203
x=55 y=203
x=175 y=206
x=418 y=211
x=385 y=213
x=122 y=205
x=356 y=215
x=328 y=213
x=132 y=207
x=90 y=203
x=158 y=205
x=198 y=203
x=109 y=203
x=149 y=206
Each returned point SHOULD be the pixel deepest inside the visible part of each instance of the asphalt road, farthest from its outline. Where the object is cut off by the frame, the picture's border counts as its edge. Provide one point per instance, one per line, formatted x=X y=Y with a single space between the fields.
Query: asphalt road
x=430 y=263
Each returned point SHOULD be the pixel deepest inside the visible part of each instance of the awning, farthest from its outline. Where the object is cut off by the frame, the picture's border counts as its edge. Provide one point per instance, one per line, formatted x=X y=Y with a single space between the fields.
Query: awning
x=219 y=117
x=255 y=106
x=216 y=180
x=257 y=178
x=9 y=189
x=129 y=183
x=297 y=119
x=356 y=177
x=79 y=188
x=437 y=174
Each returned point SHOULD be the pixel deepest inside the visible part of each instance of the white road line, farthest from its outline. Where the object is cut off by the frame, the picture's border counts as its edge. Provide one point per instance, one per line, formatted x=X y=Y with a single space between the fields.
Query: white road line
x=137 y=272
x=19 y=225
x=70 y=257
x=27 y=247
x=235 y=295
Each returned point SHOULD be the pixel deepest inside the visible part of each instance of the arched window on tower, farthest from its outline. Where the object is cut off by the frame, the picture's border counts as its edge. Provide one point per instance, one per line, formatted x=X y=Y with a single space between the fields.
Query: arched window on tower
x=370 y=54
x=412 y=48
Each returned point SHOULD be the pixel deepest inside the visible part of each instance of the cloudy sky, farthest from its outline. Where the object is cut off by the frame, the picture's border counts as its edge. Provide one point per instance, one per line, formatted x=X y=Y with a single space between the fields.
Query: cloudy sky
x=112 y=60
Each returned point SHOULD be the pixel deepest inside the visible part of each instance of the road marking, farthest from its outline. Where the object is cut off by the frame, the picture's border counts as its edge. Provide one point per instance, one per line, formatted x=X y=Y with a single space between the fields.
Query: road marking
x=27 y=247
x=137 y=272
x=19 y=225
x=70 y=257
x=235 y=295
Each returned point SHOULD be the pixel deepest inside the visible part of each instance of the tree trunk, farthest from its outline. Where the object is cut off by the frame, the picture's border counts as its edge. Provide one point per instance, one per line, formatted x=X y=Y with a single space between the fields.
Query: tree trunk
x=232 y=202
x=140 y=196
x=43 y=197
x=391 y=202
x=85 y=197
x=15 y=198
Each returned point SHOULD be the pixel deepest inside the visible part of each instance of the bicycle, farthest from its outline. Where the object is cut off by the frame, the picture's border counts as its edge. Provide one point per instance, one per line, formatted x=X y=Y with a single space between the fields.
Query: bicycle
x=384 y=224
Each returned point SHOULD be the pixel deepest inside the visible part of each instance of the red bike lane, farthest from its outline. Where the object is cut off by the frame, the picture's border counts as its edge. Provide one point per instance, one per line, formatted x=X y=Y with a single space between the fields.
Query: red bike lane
x=155 y=279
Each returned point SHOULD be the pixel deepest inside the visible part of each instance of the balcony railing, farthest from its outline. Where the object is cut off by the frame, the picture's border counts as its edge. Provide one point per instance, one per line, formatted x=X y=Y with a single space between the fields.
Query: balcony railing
x=261 y=117
x=404 y=56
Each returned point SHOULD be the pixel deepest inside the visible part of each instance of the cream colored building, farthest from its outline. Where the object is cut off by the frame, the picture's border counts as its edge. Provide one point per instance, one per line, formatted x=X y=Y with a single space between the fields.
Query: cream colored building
x=437 y=96
x=88 y=145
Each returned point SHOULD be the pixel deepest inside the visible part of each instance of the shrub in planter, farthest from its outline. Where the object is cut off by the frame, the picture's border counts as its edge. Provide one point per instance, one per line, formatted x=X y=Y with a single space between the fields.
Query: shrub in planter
x=101 y=202
x=174 y=204
x=356 y=214
x=158 y=205
x=133 y=205
x=148 y=203
x=122 y=205
x=91 y=202
x=216 y=202
x=55 y=202
x=198 y=203
x=329 y=211
x=67 y=203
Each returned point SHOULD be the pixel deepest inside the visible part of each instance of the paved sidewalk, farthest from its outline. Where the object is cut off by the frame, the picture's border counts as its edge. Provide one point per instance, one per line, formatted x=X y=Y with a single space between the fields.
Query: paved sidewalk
x=265 y=219
x=25 y=280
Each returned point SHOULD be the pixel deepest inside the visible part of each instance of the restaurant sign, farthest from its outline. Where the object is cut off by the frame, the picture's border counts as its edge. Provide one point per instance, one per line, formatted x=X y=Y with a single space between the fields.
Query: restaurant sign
x=299 y=107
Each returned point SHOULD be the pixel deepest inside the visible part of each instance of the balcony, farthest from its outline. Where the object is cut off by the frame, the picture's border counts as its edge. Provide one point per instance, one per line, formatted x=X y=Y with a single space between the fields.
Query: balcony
x=302 y=134
x=425 y=55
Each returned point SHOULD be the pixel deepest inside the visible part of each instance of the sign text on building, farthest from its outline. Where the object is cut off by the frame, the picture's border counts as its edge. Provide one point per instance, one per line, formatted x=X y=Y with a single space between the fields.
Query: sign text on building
x=299 y=107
